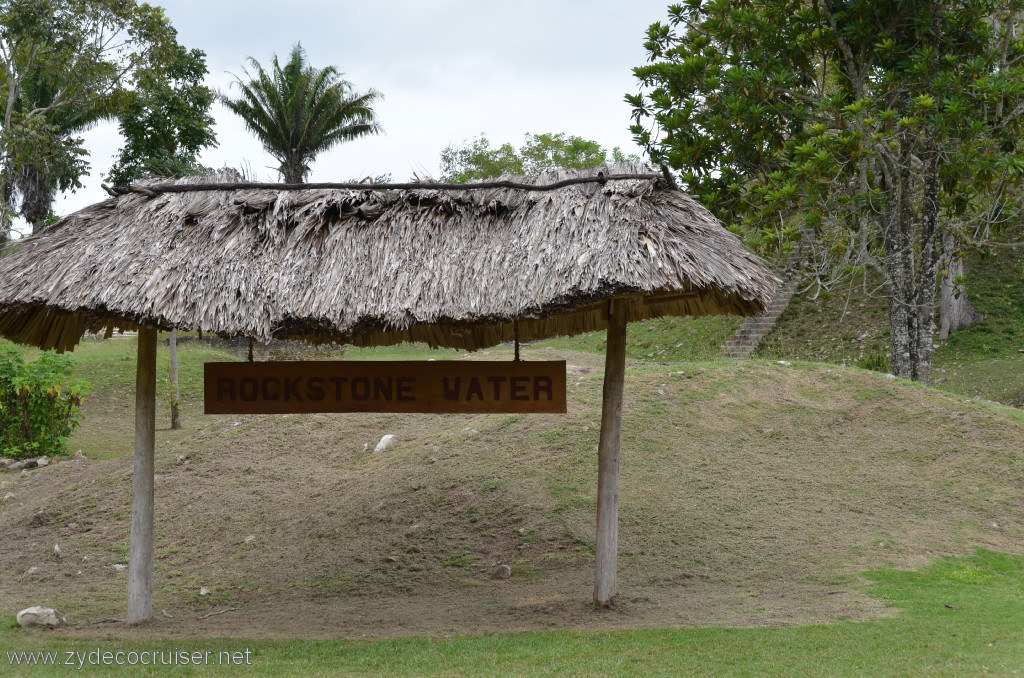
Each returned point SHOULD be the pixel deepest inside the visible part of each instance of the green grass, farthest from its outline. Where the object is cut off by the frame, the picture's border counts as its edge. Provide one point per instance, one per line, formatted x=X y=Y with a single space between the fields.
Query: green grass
x=110 y=365
x=996 y=290
x=985 y=359
x=956 y=617
x=663 y=339
x=850 y=327
x=402 y=352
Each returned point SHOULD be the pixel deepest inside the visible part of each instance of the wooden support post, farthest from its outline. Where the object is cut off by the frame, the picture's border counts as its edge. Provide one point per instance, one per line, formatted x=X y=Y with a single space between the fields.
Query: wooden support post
x=140 y=549
x=608 y=455
x=172 y=349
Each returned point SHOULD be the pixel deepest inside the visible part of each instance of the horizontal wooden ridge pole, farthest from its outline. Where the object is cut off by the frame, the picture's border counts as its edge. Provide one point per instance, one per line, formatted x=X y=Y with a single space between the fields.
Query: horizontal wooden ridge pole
x=157 y=189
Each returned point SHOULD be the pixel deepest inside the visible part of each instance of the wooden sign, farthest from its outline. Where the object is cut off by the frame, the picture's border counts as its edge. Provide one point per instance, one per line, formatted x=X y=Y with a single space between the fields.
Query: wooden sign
x=376 y=386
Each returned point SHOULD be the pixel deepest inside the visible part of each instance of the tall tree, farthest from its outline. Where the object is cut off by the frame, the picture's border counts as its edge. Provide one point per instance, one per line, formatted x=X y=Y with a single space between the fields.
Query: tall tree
x=476 y=159
x=299 y=111
x=63 y=65
x=55 y=168
x=166 y=121
x=871 y=124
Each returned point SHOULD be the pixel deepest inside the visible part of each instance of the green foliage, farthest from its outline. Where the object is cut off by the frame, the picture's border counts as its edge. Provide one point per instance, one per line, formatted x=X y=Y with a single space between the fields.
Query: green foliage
x=39 y=404
x=548 y=151
x=879 y=362
x=776 y=106
x=66 y=64
x=870 y=124
x=299 y=111
x=166 y=121
x=477 y=160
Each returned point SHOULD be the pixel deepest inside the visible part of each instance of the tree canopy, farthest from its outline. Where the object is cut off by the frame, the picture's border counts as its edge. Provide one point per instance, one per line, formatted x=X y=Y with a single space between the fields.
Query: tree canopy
x=476 y=159
x=299 y=111
x=166 y=121
x=65 y=64
x=870 y=126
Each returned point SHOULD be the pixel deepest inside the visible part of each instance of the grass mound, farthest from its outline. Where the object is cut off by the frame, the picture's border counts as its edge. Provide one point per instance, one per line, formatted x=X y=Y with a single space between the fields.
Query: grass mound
x=753 y=493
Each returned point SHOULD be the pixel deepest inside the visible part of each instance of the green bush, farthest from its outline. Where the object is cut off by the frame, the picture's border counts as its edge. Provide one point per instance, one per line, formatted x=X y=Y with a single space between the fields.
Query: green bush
x=879 y=362
x=39 y=404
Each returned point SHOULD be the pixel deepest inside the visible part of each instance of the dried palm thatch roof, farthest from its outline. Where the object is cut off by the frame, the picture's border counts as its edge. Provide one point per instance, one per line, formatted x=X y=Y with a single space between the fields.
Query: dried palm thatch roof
x=466 y=269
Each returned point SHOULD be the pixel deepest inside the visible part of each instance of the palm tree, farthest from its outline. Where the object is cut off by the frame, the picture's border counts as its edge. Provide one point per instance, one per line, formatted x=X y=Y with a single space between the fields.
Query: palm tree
x=298 y=111
x=38 y=180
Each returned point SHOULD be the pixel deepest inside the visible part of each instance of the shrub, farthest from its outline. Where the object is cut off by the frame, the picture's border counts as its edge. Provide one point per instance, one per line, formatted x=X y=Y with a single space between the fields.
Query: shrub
x=879 y=362
x=39 y=404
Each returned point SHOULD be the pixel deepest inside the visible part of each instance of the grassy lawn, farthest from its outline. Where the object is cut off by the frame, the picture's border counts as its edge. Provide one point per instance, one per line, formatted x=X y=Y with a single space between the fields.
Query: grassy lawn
x=850 y=327
x=955 y=617
x=664 y=339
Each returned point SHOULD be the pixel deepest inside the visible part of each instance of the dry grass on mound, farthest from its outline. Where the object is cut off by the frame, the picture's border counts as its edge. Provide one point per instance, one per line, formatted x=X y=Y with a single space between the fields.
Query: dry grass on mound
x=751 y=495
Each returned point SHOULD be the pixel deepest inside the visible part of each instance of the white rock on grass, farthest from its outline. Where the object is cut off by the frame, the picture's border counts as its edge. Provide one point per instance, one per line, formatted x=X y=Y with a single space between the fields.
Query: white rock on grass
x=385 y=443
x=41 y=616
x=203 y=591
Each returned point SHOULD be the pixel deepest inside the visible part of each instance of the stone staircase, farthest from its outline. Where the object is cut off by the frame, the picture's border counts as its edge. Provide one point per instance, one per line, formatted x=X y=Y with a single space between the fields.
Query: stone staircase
x=756 y=327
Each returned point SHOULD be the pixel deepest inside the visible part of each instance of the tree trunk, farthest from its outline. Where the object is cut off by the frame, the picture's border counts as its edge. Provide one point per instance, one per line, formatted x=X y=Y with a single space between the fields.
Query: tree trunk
x=911 y=281
x=6 y=214
x=929 y=266
x=899 y=272
x=291 y=170
x=37 y=197
x=172 y=343
x=955 y=310
x=6 y=210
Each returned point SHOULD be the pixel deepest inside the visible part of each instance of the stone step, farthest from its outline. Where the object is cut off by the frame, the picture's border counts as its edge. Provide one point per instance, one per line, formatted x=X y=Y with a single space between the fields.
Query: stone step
x=746 y=339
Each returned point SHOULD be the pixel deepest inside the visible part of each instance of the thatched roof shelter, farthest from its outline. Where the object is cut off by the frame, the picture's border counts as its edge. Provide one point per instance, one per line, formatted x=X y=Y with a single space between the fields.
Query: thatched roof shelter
x=465 y=269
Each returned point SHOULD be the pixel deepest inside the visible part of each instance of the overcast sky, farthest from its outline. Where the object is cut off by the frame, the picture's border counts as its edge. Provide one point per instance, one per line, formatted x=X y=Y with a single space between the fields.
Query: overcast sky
x=448 y=69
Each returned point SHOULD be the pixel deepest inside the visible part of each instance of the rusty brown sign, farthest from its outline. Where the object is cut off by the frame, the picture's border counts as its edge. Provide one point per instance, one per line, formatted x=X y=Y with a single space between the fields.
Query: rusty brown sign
x=384 y=386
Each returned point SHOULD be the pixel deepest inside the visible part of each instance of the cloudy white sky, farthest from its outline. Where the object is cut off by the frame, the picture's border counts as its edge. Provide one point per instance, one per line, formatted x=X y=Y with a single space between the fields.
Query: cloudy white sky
x=448 y=69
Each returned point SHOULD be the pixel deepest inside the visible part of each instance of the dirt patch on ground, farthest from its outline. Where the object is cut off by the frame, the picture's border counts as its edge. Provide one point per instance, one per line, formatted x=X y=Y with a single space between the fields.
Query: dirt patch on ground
x=752 y=494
